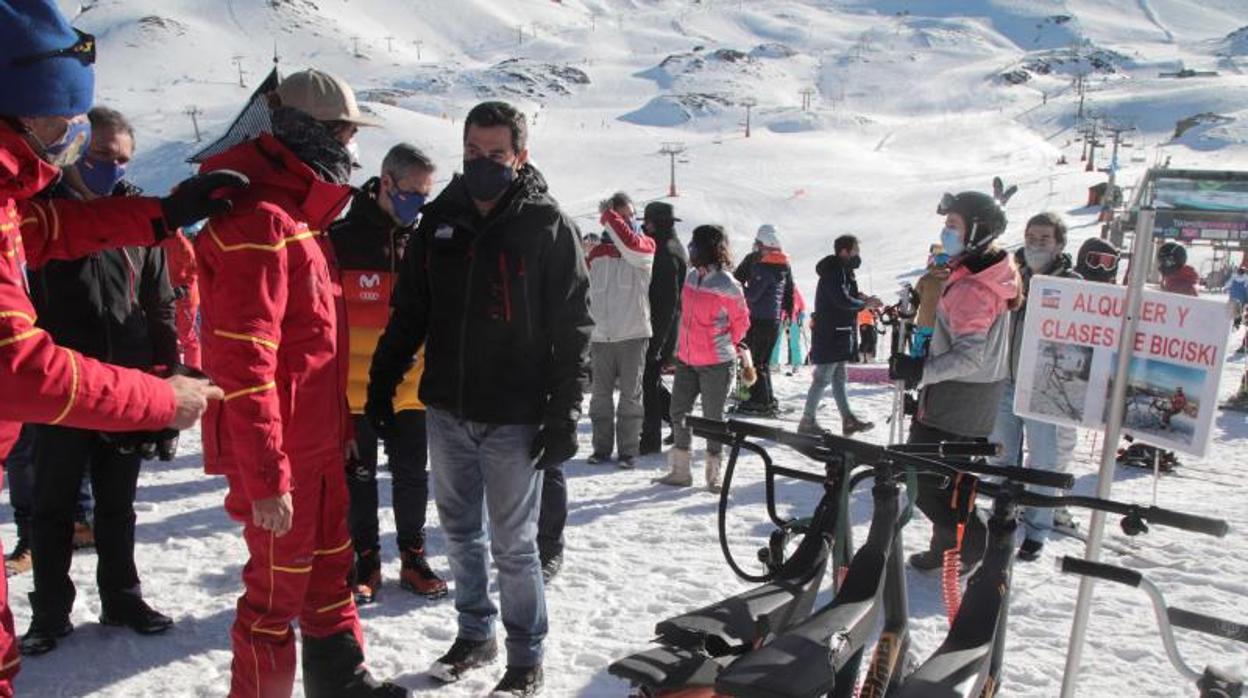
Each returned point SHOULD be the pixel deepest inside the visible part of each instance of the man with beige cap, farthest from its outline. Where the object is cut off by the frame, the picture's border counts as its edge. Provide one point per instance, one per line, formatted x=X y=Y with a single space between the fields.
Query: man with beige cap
x=274 y=340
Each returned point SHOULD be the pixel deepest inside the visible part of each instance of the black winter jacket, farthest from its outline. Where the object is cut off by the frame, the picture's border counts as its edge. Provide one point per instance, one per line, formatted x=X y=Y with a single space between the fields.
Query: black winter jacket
x=667 y=279
x=116 y=306
x=500 y=306
x=834 y=336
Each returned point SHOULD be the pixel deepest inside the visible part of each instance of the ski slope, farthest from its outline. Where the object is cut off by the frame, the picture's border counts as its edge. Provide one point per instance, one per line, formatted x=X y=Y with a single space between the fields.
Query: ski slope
x=908 y=103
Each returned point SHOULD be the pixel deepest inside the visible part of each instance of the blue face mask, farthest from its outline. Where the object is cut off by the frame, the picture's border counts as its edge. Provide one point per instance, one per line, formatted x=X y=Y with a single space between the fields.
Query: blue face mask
x=100 y=176
x=951 y=240
x=406 y=205
x=66 y=151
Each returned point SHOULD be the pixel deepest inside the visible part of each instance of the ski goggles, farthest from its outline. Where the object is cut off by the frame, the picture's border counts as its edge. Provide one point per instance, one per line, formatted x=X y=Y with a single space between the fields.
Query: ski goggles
x=83 y=50
x=946 y=204
x=1104 y=261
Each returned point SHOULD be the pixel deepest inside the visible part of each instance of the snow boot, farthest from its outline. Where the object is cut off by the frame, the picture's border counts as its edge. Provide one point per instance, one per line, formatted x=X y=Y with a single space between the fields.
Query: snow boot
x=333 y=667
x=42 y=636
x=366 y=577
x=678 y=474
x=519 y=682
x=810 y=427
x=134 y=613
x=464 y=656
x=19 y=561
x=852 y=425
x=627 y=462
x=416 y=576
x=551 y=567
x=1030 y=550
x=714 y=462
x=598 y=458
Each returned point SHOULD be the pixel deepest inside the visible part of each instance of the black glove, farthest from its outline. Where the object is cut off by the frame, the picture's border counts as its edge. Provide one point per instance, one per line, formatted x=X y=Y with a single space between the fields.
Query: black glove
x=553 y=446
x=195 y=198
x=902 y=367
x=380 y=415
x=167 y=449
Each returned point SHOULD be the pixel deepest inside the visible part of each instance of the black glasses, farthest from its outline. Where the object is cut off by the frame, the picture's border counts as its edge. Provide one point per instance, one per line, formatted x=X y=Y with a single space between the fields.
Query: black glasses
x=83 y=50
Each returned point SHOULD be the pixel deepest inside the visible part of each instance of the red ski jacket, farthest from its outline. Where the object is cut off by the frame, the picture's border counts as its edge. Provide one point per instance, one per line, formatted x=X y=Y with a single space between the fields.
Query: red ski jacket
x=271 y=330
x=41 y=382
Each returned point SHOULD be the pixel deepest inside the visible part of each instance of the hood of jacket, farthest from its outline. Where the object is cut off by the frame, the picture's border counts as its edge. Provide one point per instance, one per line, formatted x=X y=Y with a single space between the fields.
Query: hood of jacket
x=829 y=264
x=274 y=168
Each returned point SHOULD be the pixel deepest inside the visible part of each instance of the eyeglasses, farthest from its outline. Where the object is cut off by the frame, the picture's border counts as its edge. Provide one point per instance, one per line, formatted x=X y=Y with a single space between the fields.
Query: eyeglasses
x=946 y=204
x=1105 y=261
x=83 y=50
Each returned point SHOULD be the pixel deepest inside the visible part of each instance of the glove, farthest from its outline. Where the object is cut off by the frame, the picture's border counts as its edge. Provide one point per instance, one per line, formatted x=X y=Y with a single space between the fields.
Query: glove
x=380 y=415
x=905 y=368
x=195 y=198
x=553 y=446
x=167 y=449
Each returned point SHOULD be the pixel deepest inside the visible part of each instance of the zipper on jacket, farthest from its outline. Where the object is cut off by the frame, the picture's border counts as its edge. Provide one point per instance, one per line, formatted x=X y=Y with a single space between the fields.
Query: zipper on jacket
x=506 y=275
x=463 y=321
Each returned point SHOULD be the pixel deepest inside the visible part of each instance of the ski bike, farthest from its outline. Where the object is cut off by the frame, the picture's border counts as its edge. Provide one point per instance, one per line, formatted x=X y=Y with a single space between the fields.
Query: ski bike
x=1213 y=682
x=695 y=647
x=968 y=663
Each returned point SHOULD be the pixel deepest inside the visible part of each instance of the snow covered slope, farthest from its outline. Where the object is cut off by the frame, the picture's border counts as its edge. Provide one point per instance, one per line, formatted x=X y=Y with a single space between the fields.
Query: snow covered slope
x=910 y=99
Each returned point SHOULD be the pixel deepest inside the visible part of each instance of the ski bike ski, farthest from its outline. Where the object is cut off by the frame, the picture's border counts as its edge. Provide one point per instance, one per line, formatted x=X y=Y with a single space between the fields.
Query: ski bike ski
x=1212 y=682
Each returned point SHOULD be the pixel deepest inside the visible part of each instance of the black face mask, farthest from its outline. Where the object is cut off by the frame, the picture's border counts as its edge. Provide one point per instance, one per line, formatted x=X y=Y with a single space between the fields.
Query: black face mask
x=855 y=262
x=486 y=179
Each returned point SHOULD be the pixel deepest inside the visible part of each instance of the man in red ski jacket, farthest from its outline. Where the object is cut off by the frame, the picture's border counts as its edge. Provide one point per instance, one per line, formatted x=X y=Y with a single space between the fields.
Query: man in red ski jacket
x=46 y=87
x=272 y=331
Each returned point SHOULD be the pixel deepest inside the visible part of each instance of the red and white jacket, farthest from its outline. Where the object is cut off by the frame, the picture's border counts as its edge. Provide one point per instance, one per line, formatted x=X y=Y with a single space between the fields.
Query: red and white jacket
x=619 y=281
x=272 y=326
x=41 y=382
x=714 y=318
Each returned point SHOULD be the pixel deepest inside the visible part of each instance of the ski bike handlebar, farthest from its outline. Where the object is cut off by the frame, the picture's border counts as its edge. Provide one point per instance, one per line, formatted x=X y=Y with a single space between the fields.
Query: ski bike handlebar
x=950 y=449
x=1212 y=682
x=1135 y=514
x=827 y=445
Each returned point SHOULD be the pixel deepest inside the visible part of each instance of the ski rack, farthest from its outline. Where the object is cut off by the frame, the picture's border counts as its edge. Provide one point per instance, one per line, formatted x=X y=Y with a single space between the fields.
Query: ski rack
x=1212 y=682
x=968 y=662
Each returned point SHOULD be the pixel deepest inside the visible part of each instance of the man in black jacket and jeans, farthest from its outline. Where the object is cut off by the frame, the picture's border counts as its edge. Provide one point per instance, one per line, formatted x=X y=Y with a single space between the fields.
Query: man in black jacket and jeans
x=494 y=287
x=115 y=306
x=667 y=278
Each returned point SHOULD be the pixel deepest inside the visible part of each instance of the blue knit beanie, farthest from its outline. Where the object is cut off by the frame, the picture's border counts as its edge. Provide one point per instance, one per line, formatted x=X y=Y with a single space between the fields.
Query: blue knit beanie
x=52 y=86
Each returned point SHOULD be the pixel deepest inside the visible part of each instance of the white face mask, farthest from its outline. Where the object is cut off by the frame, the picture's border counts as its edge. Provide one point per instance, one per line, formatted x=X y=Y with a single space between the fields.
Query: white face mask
x=1039 y=259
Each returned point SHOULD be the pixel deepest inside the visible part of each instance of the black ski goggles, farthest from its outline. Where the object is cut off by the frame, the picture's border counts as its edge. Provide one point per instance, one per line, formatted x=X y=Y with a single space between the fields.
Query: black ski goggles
x=946 y=204
x=1104 y=261
x=83 y=50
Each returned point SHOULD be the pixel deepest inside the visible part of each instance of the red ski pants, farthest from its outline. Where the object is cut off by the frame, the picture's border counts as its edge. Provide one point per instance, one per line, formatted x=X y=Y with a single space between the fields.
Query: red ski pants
x=302 y=574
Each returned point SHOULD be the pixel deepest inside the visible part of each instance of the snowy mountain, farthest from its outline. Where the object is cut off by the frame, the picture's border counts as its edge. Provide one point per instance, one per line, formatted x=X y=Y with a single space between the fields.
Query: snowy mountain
x=907 y=99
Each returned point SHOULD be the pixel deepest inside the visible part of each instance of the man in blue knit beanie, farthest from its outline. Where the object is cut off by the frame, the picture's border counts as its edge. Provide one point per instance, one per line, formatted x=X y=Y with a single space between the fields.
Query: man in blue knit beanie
x=46 y=87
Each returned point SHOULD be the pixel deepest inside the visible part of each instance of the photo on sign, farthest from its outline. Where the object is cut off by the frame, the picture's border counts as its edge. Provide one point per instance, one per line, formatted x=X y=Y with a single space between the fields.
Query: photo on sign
x=1162 y=399
x=1060 y=380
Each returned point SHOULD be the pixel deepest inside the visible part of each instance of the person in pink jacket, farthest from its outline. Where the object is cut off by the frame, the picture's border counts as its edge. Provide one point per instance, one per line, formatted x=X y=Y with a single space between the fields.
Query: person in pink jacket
x=714 y=319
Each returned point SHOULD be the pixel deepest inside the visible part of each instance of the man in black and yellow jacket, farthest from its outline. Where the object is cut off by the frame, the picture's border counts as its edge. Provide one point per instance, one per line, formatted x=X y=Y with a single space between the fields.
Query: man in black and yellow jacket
x=368 y=244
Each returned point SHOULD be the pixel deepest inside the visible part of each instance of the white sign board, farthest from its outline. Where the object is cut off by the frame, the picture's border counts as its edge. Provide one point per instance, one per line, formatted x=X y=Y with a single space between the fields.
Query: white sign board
x=1069 y=353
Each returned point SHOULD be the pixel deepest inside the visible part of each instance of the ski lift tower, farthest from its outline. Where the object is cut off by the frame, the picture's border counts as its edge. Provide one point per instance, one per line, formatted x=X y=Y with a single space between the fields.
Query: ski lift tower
x=671 y=149
x=1192 y=207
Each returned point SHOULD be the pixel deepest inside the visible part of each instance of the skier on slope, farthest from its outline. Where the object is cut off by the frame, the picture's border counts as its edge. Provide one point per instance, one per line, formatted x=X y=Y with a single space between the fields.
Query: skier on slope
x=46 y=87
x=965 y=371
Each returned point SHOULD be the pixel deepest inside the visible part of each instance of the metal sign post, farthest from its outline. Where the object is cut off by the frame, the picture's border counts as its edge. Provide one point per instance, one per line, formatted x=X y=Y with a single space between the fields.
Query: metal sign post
x=1141 y=262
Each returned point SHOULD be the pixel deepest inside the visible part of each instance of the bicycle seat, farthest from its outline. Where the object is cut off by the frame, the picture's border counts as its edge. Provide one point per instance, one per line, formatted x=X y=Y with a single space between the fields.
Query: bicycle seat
x=805 y=660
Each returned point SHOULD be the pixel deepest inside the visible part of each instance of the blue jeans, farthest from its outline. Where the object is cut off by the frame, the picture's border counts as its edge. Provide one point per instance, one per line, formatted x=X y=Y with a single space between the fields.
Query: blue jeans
x=825 y=375
x=1049 y=447
x=482 y=470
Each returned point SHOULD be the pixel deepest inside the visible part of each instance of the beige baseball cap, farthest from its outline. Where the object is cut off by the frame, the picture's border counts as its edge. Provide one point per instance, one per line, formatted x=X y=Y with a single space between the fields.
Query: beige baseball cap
x=322 y=96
